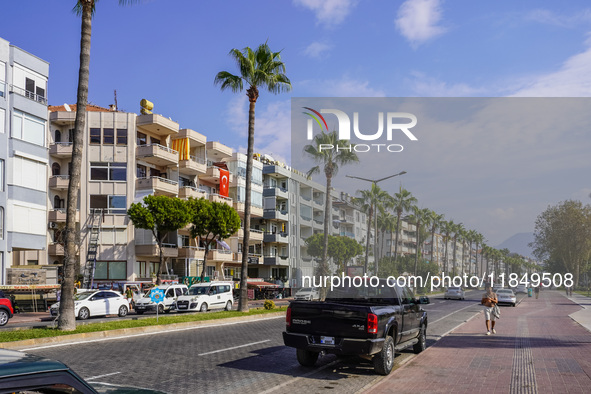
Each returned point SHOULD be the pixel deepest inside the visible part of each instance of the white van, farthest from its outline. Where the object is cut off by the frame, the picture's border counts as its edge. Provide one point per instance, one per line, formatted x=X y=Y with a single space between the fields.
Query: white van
x=205 y=296
x=171 y=294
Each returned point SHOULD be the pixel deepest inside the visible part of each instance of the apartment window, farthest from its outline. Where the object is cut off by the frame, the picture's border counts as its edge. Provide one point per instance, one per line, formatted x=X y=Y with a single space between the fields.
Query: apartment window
x=108 y=136
x=1 y=222
x=114 y=236
x=141 y=171
x=111 y=204
x=1 y=175
x=32 y=262
x=121 y=136
x=108 y=171
x=145 y=269
x=95 y=135
x=28 y=128
x=2 y=115
x=111 y=270
x=141 y=139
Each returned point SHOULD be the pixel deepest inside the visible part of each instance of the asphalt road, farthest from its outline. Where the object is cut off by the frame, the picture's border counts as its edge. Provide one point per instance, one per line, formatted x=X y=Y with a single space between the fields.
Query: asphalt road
x=225 y=358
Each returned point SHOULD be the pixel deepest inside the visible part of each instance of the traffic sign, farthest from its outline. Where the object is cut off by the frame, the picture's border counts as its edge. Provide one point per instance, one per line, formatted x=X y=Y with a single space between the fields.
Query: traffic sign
x=157 y=295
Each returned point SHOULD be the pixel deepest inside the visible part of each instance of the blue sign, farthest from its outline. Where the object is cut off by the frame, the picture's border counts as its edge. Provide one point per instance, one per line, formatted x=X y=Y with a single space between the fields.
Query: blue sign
x=157 y=295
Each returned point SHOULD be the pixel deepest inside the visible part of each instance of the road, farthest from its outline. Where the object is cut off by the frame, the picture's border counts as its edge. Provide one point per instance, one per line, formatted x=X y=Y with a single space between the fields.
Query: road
x=224 y=358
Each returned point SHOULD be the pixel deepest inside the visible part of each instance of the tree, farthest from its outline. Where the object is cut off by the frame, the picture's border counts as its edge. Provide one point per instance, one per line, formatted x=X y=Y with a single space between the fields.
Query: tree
x=562 y=237
x=330 y=160
x=403 y=201
x=160 y=215
x=261 y=68
x=447 y=228
x=67 y=320
x=479 y=239
x=212 y=221
x=419 y=217
x=457 y=229
x=386 y=223
x=341 y=249
x=369 y=200
x=436 y=220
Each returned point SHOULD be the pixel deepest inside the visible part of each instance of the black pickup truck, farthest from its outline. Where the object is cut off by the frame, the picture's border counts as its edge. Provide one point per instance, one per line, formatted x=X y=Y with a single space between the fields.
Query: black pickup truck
x=371 y=322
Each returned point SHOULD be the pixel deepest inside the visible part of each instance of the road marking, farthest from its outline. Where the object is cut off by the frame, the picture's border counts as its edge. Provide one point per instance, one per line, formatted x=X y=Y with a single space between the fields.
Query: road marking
x=299 y=377
x=235 y=347
x=103 y=376
x=150 y=333
x=466 y=307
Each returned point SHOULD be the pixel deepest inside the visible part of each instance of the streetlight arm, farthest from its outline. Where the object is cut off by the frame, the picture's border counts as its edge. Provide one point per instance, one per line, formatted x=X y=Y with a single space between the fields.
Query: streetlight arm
x=376 y=180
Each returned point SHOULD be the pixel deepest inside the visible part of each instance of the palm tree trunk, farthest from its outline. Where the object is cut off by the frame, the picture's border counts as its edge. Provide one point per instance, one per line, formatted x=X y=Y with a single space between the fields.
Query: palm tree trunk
x=367 y=240
x=67 y=319
x=398 y=214
x=418 y=249
x=433 y=245
x=327 y=215
x=446 y=254
x=252 y=94
x=205 y=261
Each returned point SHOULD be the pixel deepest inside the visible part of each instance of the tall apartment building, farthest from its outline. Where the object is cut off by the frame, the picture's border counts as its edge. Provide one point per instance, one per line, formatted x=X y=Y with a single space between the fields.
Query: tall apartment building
x=23 y=165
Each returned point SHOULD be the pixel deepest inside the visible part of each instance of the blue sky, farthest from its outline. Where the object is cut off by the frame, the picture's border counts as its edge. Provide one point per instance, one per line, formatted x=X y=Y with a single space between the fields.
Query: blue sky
x=170 y=51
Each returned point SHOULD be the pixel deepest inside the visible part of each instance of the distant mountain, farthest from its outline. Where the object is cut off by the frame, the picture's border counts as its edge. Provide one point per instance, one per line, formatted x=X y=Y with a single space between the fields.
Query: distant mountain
x=518 y=243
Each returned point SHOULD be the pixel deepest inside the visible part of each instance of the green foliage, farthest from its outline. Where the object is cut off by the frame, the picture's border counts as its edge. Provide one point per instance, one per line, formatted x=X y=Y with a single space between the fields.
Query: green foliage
x=211 y=220
x=161 y=214
x=269 y=304
x=341 y=249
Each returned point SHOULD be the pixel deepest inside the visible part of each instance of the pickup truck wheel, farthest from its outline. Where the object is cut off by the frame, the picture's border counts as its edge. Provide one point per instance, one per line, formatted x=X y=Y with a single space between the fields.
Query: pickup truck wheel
x=422 y=343
x=384 y=360
x=306 y=358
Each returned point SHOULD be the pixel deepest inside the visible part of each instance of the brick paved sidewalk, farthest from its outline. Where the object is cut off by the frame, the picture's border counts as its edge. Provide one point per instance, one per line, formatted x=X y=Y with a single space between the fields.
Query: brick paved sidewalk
x=537 y=348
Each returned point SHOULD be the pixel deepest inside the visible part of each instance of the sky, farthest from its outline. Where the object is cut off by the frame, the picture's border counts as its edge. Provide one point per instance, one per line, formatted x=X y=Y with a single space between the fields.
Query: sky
x=170 y=51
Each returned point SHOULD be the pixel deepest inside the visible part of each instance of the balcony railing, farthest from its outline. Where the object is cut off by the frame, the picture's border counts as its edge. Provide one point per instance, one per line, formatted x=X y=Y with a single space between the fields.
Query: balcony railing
x=28 y=94
x=165 y=180
x=197 y=159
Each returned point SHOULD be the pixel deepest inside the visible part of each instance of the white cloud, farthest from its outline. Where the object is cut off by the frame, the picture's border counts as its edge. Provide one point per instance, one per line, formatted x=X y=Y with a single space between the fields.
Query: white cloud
x=431 y=87
x=317 y=49
x=343 y=87
x=329 y=12
x=418 y=20
x=565 y=21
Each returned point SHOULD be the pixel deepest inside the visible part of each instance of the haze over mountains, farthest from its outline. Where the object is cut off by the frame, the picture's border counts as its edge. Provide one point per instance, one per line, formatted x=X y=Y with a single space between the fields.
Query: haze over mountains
x=518 y=243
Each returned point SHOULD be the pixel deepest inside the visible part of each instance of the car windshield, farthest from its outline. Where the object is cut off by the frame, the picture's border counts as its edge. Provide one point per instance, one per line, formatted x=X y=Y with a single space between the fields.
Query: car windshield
x=306 y=289
x=198 y=290
x=378 y=295
x=84 y=296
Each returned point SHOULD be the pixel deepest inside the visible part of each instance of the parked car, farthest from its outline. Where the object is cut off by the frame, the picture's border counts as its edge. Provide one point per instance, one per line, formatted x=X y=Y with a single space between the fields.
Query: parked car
x=6 y=311
x=454 y=292
x=307 y=294
x=506 y=296
x=520 y=289
x=171 y=293
x=205 y=296
x=27 y=373
x=371 y=322
x=96 y=303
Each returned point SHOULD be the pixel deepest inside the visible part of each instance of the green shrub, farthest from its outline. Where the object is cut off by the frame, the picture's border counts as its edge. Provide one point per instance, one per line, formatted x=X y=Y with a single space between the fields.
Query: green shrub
x=269 y=304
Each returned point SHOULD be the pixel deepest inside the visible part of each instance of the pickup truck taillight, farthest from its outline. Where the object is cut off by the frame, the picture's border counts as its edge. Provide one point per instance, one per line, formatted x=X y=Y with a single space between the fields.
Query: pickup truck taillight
x=372 y=323
x=288 y=317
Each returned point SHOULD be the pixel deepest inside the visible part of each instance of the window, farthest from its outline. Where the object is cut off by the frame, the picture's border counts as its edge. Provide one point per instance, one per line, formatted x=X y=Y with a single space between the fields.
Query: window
x=141 y=139
x=32 y=262
x=111 y=270
x=108 y=171
x=28 y=173
x=145 y=269
x=121 y=136
x=141 y=171
x=113 y=236
x=34 y=92
x=95 y=135
x=1 y=175
x=1 y=222
x=2 y=115
x=28 y=128
x=108 y=136
x=112 y=204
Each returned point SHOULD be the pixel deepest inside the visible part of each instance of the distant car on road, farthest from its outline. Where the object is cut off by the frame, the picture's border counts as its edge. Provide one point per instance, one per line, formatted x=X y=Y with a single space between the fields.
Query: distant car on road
x=454 y=292
x=506 y=296
x=28 y=373
x=6 y=311
x=171 y=294
x=96 y=303
x=204 y=296
x=307 y=294
x=520 y=289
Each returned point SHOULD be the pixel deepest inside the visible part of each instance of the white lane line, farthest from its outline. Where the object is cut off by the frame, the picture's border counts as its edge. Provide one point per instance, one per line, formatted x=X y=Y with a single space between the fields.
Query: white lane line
x=466 y=307
x=235 y=347
x=299 y=377
x=150 y=333
x=103 y=376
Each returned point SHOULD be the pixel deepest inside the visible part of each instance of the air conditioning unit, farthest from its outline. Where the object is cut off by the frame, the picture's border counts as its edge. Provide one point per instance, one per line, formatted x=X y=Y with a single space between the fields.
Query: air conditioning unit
x=52 y=225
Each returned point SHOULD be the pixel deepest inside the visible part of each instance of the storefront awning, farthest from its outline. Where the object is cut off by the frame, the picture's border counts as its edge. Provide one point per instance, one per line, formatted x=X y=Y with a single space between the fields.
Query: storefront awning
x=262 y=284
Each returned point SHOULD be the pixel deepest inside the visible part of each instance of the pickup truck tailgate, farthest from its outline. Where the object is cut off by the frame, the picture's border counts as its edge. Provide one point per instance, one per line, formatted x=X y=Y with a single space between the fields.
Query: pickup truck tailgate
x=329 y=318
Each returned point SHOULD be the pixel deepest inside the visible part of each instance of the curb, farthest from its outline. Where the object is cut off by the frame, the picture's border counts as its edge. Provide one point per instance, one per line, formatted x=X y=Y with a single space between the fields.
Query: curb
x=124 y=332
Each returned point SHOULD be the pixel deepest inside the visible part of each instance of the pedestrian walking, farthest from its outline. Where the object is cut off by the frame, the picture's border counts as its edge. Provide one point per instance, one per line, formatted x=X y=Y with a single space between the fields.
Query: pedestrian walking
x=489 y=300
x=129 y=295
x=537 y=291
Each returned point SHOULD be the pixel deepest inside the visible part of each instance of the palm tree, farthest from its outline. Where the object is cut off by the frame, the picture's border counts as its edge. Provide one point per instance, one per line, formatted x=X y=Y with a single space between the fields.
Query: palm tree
x=330 y=160
x=419 y=216
x=66 y=320
x=479 y=239
x=403 y=201
x=457 y=229
x=436 y=221
x=387 y=224
x=259 y=68
x=369 y=200
x=448 y=228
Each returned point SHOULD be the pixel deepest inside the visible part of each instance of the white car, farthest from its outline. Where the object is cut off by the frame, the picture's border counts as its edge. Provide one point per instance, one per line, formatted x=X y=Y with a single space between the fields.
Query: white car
x=96 y=303
x=520 y=289
x=171 y=294
x=506 y=296
x=307 y=294
x=454 y=292
x=205 y=296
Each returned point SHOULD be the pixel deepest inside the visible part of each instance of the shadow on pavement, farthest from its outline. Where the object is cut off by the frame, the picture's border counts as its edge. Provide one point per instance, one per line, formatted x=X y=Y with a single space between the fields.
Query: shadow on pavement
x=480 y=340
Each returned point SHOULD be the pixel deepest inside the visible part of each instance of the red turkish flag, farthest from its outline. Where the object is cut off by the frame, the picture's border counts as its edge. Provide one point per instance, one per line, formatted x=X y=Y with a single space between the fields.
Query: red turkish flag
x=224 y=182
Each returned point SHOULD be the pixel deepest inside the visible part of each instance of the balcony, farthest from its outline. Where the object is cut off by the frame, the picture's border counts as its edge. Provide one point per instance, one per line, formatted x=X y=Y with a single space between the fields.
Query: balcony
x=305 y=200
x=318 y=223
x=190 y=191
x=55 y=249
x=212 y=174
x=254 y=211
x=28 y=94
x=255 y=235
x=157 y=154
x=193 y=166
x=220 y=198
x=195 y=139
x=59 y=215
x=271 y=191
x=160 y=186
x=59 y=182
x=216 y=151
x=276 y=170
x=278 y=237
x=191 y=252
x=276 y=260
x=219 y=255
x=62 y=118
x=305 y=221
x=275 y=214
x=61 y=149
x=151 y=250
x=157 y=124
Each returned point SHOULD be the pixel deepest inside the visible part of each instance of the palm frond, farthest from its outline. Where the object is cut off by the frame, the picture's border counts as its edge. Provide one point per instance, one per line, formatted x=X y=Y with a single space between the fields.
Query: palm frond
x=228 y=81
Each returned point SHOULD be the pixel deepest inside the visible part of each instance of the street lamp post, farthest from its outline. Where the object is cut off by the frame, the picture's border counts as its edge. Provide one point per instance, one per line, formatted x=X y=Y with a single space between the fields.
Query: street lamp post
x=375 y=182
